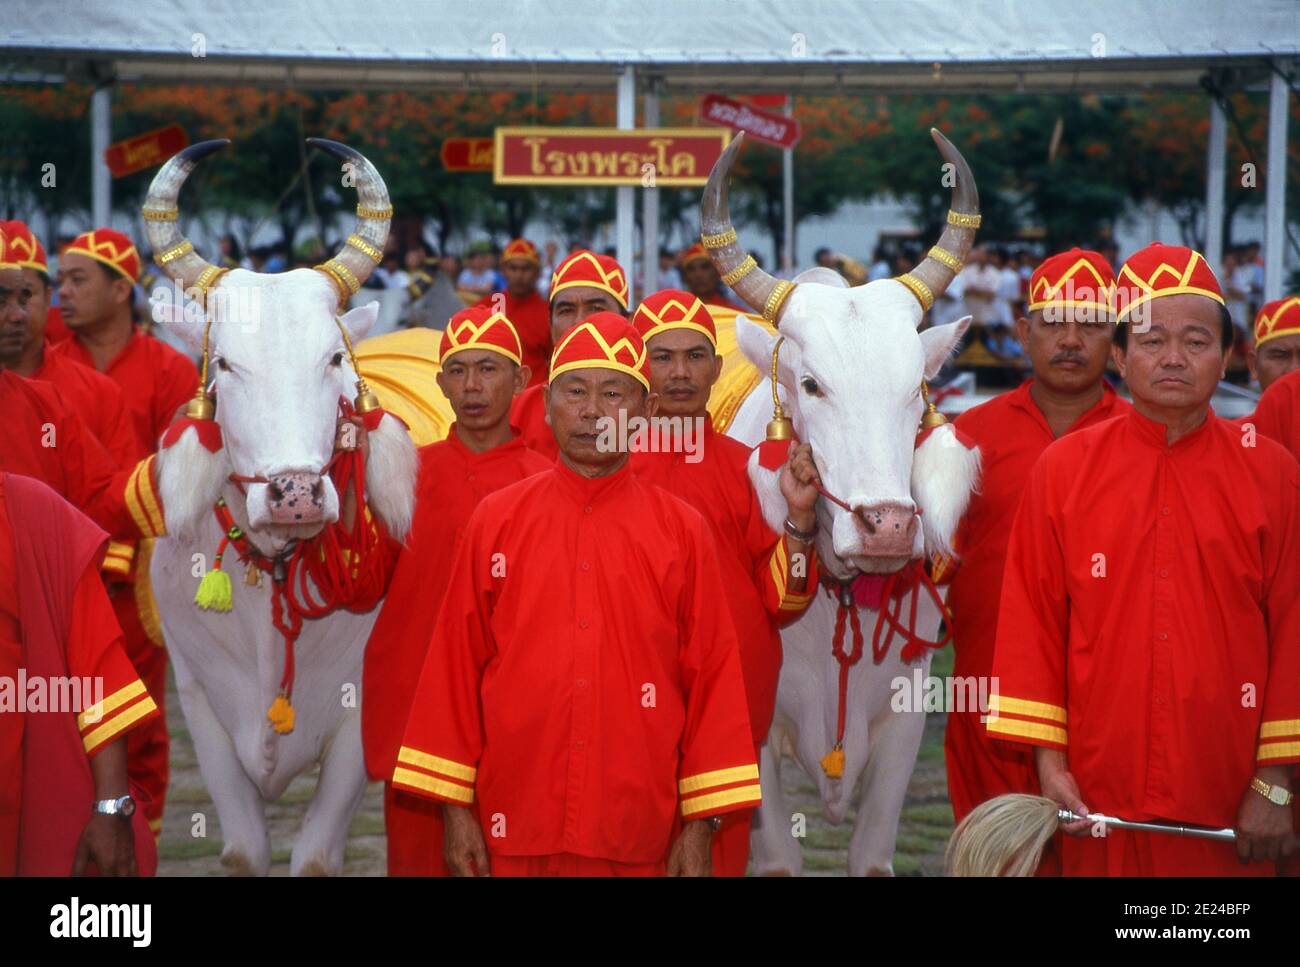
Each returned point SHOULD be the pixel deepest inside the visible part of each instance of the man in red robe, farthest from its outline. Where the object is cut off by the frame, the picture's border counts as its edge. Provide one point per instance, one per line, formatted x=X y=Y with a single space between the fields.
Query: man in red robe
x=1275 y=350
x=583 y=284
x=582 y=687
x=66 y=806
x=769 y=580
x=1148 y=642
x=521 y=303
x=97 y=275
x=701 y=277
x=1278 y=414
x=481 y=371
x=1067 y=337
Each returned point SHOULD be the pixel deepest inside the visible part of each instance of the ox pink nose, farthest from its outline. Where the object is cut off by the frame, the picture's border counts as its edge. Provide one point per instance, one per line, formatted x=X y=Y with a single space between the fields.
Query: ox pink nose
x=890 y=527
x=296 y=498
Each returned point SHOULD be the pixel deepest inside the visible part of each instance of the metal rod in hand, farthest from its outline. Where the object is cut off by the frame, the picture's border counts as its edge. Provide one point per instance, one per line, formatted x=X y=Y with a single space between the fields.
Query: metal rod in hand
x=1200 y=832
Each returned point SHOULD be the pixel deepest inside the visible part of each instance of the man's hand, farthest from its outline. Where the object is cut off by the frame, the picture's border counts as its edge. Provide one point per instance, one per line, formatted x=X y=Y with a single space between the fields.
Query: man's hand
x=1264 y=829
x=464 y=849
x=108 y=842
x=1058 y=785
x=690 y=855
x=798 y=482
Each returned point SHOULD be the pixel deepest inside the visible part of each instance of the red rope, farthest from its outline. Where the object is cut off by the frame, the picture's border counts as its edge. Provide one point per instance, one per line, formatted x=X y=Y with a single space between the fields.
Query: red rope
x=890 y=614
x=847 y=660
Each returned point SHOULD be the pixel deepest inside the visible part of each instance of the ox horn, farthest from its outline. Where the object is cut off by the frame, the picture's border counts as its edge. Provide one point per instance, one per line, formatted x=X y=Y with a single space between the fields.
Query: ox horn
x=172 y=251
x=929 y=279
x=364 y=248
x=761 y=291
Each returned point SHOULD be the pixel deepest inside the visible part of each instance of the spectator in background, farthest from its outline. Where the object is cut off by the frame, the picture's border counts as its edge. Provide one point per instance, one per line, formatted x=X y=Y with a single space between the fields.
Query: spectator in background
x=980 y=287
x=879 y=264
x=1008 y=298
x=450 y=265
x=551 y=250
x=1253 y=258
x=232 y=257
x=669 y=277
x=478 y=278
x=1237 y=276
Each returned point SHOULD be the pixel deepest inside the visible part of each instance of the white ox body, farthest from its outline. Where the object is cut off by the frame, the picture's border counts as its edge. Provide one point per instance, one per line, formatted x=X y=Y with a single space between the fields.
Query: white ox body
x=862 y=349
x=277 y=396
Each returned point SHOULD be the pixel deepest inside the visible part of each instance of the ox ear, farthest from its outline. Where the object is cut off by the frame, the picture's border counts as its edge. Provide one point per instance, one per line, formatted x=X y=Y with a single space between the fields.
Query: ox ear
x=359 y=321
x=822 y=276
x=938 y=343
x=756 y=343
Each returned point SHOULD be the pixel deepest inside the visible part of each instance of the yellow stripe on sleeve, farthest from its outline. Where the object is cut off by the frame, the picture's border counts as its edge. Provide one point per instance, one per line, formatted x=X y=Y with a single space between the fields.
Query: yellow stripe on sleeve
x=716 y=800
x=97 y=712
x=118 y=724
x=433 y=763
x=1020 y=706
x=1279 y=728
x=1027 y=730
x=439 y=787
x=719 y=777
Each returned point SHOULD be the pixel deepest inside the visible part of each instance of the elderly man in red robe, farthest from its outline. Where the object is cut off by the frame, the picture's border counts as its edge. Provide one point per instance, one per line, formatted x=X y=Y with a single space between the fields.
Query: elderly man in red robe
x=481 y=372
x=1148 y=642
x=65 y=803
x=583 y=688
x=583 y=284
x=769 y=580
x=521 y=303
x=1067 y=336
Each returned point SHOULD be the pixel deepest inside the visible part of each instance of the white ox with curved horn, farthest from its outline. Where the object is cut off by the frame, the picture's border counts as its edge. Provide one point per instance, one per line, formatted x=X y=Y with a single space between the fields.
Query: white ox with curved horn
x=850 y=371
x=279 y=365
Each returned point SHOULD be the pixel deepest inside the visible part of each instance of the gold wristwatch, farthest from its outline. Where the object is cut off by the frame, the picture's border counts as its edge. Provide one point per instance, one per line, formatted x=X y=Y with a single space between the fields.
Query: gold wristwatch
x=1274 y=794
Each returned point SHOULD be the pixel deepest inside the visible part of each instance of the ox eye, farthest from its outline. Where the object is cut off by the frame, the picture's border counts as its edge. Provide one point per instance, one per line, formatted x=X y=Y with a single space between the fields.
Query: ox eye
x=810 y=386
x=337 y=360
x=222 y=364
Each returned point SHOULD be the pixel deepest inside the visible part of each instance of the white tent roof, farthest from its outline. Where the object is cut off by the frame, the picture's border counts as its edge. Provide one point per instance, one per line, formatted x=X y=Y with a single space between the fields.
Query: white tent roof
x=830 y=46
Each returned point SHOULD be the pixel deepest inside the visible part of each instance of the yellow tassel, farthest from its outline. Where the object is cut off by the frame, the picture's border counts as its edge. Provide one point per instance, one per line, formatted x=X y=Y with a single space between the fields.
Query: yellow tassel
x=214 y=591
x=281 y=715
x=833 y=763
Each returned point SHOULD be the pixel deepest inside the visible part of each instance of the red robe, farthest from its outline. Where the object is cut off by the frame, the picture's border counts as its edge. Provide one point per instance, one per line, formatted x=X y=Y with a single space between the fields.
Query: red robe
x=582 y=684
x=96 y=400
x=1150 y=628
x=452 y=481
x=528 y=413
x=1278 y=413
x=55 y=621
x=1012 y=433
x=531 y=318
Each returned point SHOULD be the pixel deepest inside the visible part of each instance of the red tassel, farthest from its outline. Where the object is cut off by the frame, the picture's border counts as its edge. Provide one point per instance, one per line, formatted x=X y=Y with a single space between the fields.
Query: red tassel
x=772 y=454
x=209 y=432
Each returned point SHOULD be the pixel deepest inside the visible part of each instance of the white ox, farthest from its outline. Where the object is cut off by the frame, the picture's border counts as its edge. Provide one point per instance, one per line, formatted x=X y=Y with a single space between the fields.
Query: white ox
x=850 y=372
x=280 y=365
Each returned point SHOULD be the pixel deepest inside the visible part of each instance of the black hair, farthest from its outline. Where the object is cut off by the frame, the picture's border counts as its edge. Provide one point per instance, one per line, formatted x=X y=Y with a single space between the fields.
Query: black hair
x=1227 y=332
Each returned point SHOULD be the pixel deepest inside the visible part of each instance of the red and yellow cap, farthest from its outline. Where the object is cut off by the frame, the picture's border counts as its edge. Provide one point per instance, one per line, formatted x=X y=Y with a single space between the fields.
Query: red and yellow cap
x=478 y=327
x=1162 y=270
x=694 y=254
x=673 y=309
x=23 y=248
x=604 y=340
x=521 y=248
x=588 y=268
x=109 y=247
x=6 y=260
x=1280 y=318
x=1076 y=279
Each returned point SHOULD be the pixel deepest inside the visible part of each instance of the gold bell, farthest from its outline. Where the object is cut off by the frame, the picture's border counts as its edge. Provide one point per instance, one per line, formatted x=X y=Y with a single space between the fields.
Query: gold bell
x=931 y=417
x=780 y=427
x=201 y=407
x=366 y=399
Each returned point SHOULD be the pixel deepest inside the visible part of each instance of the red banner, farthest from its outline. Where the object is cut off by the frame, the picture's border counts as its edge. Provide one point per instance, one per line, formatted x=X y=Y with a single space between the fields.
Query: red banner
x=671 y=157
x=467 y=154
x=775 y=129
x=145 y=150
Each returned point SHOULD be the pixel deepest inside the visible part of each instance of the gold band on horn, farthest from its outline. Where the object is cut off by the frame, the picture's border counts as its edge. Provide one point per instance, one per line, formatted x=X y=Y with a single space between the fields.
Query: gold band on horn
x=343 y=278
x=365 y=248
x=918 y=288
x=780 y=292
x=740 y=271
x=963 y=220
x=206 y=280
x=382 y=213
x=940 y=254
x=720 y=240
x=159 y=214
x=176 y=251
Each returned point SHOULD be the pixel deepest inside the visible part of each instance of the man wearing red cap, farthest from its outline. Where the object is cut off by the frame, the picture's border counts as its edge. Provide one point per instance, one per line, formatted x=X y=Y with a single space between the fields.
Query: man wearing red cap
x=481 y=371
x=527 y=311
x=1148 y=642
x=769 y=580
x=701 y=277
x=584 y=283
x=1275 y=350
x=1067 y=336
x=582 y=687
x=97 y=276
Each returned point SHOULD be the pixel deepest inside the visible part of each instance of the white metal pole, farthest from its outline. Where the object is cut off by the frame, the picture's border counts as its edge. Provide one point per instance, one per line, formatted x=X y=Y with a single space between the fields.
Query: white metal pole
x=1215 y=159
x=101 y=179
x=1275 y=190
x=787 y=201
x=626 y=199
x=650 y=207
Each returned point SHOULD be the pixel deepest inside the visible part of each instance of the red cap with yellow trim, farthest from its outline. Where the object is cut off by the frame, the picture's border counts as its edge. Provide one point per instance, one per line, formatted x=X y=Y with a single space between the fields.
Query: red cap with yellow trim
x=478 y=327
x=23 y=247
x=521 y=248
x=694 y=254
x=6 y=260
x=109 y=247
x=604 y=340
x=1079 y=278
x=1162 y=270
x=588 y=268
x=673 y=309
x=1279 y=318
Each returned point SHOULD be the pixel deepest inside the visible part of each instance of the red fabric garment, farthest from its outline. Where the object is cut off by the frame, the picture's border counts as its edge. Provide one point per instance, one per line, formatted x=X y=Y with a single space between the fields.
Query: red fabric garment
x=1149 y=624
x=96 y=400
x=154 y=378
x=531 y=318
x=413 y=828
x=528 y=413
x=1278 y=414
x=582 y=683
x=56 y=601
x=451 y=483
x=56 y=331
x=571 y=864
x=1011 y=433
